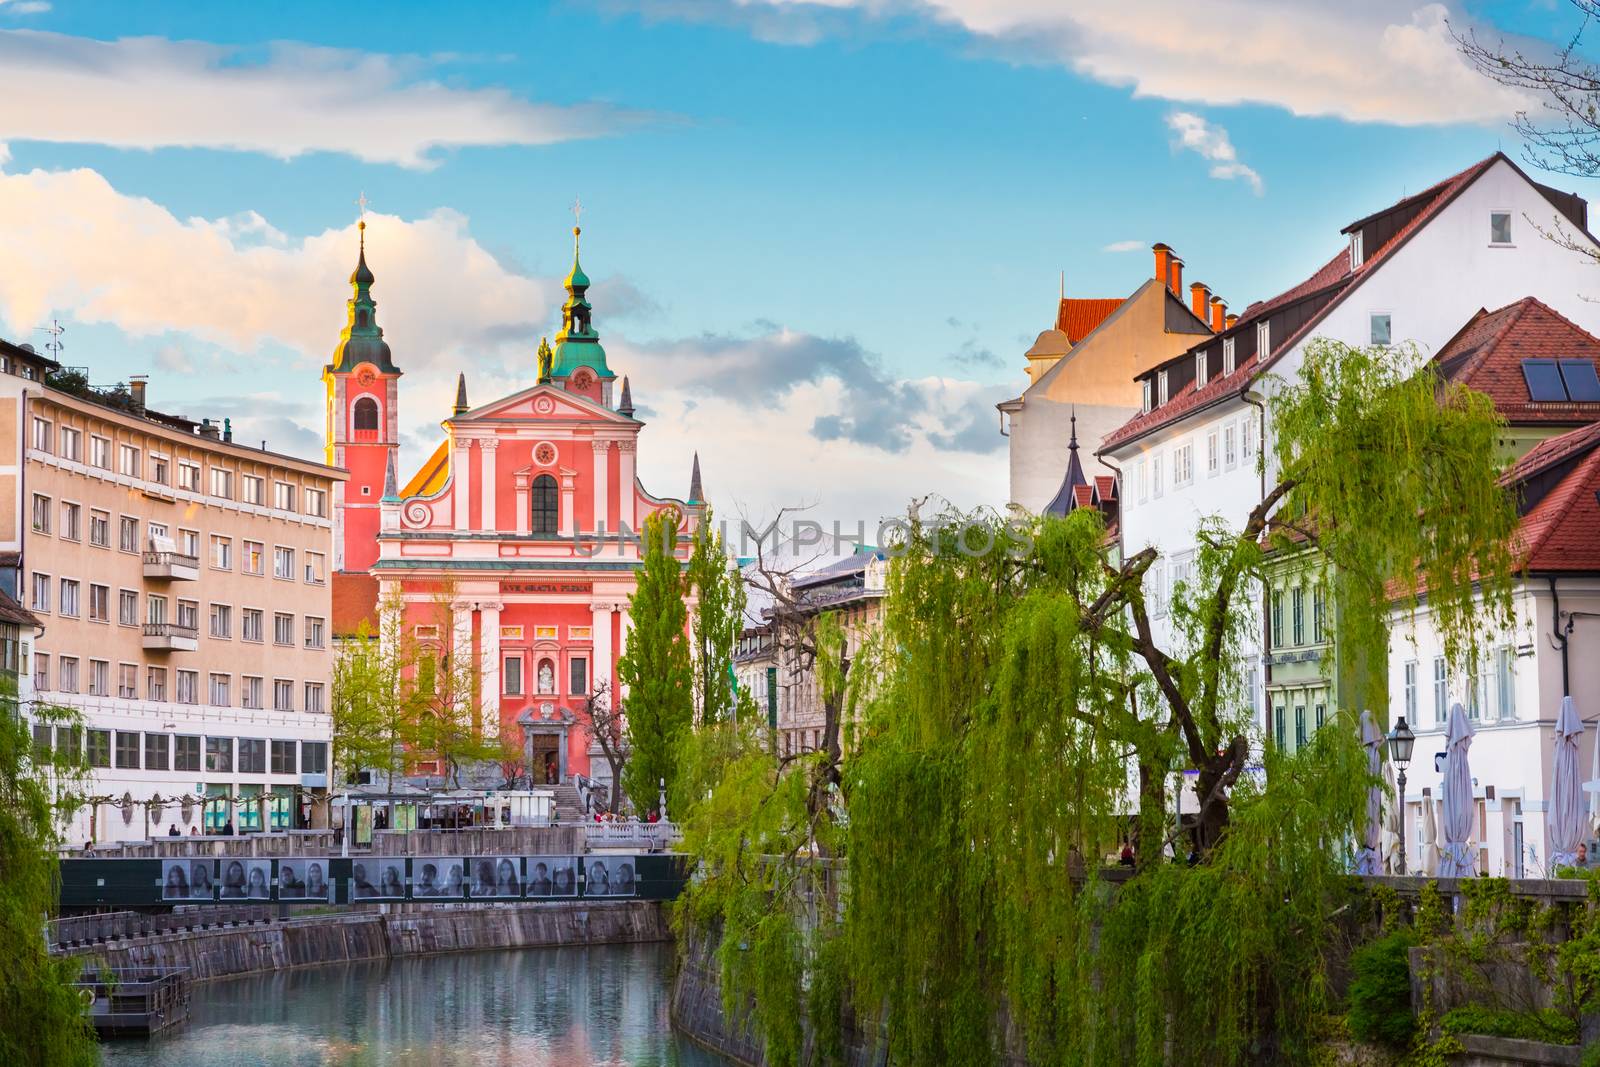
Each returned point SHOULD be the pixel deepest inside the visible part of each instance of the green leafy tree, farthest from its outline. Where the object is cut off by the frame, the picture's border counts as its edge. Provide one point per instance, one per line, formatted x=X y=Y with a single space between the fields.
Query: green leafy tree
x=374 y=710
x=42 y=1021
x=656 y=669
x=718 y=621
x=990 y=770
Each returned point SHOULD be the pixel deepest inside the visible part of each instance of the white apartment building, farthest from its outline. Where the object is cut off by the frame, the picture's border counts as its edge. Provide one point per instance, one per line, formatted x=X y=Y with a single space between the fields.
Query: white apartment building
x=1414 y=271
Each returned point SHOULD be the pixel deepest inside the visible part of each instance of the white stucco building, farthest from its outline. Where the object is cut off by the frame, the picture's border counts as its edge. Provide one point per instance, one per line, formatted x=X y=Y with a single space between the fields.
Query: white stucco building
x=1416 y=271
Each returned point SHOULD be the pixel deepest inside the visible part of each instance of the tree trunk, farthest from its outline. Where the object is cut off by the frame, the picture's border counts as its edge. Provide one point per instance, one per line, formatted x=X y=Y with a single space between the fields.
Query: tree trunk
x=1149 y=832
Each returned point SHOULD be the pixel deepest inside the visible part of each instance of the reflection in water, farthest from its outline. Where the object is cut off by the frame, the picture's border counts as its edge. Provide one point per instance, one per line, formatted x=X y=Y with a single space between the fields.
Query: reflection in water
x=567 y=1006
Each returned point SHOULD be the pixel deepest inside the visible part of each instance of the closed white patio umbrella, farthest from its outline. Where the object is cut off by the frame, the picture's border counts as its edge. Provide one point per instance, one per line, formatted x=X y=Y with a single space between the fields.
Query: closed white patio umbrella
x=1456 y=859
x=1368 y=858
x=1430 y=839
x=1392 y=844
x=1566 y=789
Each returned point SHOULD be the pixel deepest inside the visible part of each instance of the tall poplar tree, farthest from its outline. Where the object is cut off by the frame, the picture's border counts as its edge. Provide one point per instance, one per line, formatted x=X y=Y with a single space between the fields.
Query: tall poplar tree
x=656 y=668
x=718 y=621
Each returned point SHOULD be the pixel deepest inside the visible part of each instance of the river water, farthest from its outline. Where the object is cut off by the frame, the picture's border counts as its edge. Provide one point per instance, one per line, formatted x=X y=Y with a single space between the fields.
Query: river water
x=563 y=1007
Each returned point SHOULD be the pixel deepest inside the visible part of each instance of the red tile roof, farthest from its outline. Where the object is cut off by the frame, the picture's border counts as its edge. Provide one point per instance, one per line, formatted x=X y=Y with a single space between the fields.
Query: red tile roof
x=355 y=600
x=1335 y=280
x=1077 y=318
x=1487 y=355
x=1105 y=487
x=1561 y=532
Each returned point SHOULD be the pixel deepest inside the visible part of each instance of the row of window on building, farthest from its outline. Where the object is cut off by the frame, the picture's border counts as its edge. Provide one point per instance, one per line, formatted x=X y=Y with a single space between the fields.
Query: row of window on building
x=252 y=690
x=131 y=461
x=1280 y=725
x=187 y=543
x=1490 y=691
x=135 y=750
x=252 y=621
x=1226 y=447
x=1296 y=633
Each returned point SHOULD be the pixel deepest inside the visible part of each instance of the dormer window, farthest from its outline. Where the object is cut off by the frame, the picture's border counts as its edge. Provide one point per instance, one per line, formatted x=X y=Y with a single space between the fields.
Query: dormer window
x=1145 y=383
x=1229 y=360
x=1161 y=387
x=1357 y=250
x=1263 y=340
x=1199 y=369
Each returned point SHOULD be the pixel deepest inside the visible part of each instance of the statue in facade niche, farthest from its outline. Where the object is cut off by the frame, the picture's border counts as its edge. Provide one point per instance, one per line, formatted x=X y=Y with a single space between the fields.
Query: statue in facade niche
x=547 y=677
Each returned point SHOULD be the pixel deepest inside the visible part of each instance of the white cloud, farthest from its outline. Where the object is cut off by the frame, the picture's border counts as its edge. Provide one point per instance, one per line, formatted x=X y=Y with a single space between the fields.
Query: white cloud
x=238 y=318
x=23 y=7
x=1212 y=143
x=148 y=92
x=1124 y=246
x=1389 y=61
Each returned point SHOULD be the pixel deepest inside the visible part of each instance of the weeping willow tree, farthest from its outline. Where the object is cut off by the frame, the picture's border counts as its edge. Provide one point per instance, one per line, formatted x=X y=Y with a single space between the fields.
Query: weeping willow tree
x=1022 y=698
x=42 y=1020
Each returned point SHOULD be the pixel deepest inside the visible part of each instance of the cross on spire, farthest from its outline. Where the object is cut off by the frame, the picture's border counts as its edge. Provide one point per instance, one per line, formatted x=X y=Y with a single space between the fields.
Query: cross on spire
x=362 y=203
x=577 y=211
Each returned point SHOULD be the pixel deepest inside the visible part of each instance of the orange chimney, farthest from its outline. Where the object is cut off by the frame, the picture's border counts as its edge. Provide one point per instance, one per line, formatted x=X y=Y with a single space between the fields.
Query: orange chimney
x=1219 y=314
x=1199 y=296
x=1229 y=322
x=1163 y=262
x=1175 y=283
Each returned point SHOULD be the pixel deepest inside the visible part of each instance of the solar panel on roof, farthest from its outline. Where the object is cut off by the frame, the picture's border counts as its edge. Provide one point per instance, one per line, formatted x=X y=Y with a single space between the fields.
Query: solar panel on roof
x=1544 y=380
x=1582 y=384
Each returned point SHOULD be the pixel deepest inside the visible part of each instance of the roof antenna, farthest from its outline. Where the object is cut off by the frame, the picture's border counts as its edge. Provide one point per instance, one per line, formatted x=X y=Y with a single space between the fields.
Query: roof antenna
x=54 y=345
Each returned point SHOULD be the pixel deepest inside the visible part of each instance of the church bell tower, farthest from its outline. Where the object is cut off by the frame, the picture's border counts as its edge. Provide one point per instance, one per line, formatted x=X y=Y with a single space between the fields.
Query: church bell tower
x=362 y=388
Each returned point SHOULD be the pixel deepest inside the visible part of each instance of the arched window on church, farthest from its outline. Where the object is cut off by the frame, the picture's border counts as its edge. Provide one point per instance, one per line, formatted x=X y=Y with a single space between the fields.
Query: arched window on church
x=366 y=414
x=546 y=506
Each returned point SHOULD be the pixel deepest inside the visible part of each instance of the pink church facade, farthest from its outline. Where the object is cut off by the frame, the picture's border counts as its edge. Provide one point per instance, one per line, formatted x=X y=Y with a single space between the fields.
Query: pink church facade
x=514 y=543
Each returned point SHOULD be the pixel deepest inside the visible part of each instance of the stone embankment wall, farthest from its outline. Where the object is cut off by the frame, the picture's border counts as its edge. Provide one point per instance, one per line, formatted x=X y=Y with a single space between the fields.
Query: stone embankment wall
x=697 y=1012
x=348 y=937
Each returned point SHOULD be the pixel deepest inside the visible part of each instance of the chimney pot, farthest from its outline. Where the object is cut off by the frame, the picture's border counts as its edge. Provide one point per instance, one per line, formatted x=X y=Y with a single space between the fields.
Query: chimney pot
x=1219 y=314
x=1230 y=321
x=1163 y=262
x=1175 y=283
x=137 y=385
x=1199 y=297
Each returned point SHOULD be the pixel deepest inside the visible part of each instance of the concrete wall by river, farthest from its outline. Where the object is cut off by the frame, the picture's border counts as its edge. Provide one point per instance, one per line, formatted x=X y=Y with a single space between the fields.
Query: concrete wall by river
x=317 y=940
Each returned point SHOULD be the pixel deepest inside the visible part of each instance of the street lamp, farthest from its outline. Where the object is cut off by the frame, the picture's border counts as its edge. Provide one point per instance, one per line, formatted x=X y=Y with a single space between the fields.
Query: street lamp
x=1401 y=740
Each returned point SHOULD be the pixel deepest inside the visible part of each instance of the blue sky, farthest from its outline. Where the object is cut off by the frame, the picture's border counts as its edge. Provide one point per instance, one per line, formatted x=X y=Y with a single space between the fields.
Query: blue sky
x=822 y=233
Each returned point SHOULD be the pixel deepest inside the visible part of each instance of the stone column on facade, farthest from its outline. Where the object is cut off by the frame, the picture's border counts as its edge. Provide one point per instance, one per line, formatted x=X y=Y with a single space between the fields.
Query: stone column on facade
x=569 y=520
x=602 y=649
x=627 y=513
x=461 y=477
x=602 y=487
x=626 y=630
x=489 y=641
x=460 y=643
x=486 y=484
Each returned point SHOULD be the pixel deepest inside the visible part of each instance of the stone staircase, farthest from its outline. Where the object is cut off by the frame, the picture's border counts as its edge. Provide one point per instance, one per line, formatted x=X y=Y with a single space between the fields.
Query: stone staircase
x=568 y=804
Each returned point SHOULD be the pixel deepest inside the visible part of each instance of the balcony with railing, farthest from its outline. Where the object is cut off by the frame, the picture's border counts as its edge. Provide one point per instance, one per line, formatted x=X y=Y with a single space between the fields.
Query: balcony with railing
x=171 y=565
x=170 y=637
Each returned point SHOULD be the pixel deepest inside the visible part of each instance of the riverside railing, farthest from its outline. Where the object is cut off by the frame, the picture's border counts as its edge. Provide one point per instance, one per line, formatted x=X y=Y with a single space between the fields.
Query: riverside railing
x=556 y=838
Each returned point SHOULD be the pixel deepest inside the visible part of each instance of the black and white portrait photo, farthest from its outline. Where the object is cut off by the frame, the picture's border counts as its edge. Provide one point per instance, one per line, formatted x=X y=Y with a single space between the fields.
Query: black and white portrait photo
x=232 y=880
x=597 y=877
x=564 y=876
x=257 y=879
x=201 y=885
x=481 y=869
x=623 y=879
x=438 y=876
